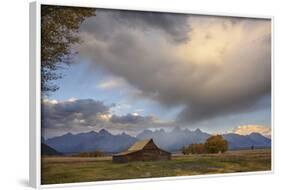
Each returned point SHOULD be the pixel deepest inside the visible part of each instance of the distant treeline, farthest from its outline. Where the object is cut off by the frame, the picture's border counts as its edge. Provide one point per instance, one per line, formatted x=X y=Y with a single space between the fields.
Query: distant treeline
x=96 y=153
x=213 y=144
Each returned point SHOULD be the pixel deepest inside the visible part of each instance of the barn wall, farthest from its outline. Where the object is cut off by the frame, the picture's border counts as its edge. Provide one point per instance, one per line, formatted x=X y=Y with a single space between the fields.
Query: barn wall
x=143 y=155
x=155 y=155
x=119 y=159
x=150 y=152
x=150 y=146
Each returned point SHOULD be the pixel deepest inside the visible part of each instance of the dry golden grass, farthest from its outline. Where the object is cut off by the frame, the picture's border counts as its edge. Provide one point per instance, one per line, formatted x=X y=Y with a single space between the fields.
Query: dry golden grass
x=83 y=169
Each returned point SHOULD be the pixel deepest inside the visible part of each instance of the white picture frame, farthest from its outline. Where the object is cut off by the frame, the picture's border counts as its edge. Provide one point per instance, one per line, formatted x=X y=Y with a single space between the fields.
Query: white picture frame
x=35 y=95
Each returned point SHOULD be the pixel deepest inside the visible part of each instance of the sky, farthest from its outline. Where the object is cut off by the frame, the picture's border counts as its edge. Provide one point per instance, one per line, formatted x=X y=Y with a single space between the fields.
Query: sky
x=145 y=70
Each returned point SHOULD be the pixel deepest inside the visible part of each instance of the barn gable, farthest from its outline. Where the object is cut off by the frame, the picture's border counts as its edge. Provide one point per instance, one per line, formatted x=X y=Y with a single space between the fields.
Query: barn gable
x=139 y=145
x=143 y=150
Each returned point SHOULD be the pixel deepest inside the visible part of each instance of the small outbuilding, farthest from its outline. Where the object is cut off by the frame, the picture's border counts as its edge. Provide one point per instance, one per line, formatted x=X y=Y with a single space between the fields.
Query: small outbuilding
x=144 y=150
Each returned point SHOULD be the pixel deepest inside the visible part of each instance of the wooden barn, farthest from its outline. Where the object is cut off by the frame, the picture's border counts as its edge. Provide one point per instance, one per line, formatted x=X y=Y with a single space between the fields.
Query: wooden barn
x=144 y=150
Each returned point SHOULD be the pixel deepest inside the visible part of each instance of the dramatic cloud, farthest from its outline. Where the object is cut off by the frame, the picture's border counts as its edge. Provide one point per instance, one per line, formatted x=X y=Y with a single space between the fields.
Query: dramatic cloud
x=131 y=119
x=71 y=115
x=248 y=129
x=76 y=116
x=218 y=66
x=108 y=22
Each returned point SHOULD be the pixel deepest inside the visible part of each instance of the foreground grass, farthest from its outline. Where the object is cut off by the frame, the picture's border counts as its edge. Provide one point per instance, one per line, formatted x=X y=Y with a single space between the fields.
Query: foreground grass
x=73 y=169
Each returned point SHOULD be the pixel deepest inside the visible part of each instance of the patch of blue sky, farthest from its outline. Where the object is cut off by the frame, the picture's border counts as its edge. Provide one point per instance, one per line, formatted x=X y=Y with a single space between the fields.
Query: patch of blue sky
x=81 y=81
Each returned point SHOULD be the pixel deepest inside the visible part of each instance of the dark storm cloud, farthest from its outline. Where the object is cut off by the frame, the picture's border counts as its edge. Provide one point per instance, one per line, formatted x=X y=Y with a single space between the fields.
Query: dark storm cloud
x=228 y=72
x=84 y=115
x=131 y=119
x=197 y=111
x=106 y=22
x=68 y=114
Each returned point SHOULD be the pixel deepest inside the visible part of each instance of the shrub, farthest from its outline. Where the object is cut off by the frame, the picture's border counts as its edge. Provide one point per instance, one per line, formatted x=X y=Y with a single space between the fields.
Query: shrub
x=216 y=144
x=194 y=149
x=96 y=153
x=213 y=144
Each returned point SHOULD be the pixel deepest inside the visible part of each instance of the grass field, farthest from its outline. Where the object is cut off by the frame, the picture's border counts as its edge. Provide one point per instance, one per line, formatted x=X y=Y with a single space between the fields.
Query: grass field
x=78 y=169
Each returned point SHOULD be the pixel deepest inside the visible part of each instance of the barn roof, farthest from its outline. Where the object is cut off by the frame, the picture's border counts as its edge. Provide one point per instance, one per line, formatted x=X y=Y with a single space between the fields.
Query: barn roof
x=139 y=145
x=123 y=153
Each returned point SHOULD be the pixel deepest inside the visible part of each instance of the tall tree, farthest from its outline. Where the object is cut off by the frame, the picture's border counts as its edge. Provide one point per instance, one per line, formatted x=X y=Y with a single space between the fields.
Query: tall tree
x=216 y=144
x=59 y=30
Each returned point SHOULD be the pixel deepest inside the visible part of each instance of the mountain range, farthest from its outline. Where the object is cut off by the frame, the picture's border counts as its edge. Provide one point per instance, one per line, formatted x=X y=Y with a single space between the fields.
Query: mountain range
x=48 y=151
x=86 y=142
x=171 y=141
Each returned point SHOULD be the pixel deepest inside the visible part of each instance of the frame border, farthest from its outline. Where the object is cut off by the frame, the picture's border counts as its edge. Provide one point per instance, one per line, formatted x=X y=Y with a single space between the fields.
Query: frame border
x=35 y=93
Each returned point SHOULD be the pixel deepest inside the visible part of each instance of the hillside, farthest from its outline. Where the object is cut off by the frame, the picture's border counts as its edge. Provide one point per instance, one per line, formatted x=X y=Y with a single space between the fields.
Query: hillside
x=48 y=151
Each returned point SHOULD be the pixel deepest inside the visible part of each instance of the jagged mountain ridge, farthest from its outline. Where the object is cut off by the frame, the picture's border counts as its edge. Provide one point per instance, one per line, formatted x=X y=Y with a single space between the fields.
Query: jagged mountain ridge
x=85 y=142
x=171 y=141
